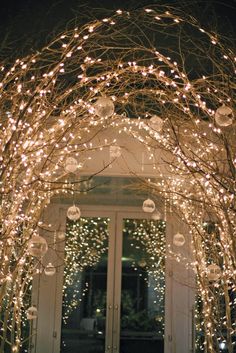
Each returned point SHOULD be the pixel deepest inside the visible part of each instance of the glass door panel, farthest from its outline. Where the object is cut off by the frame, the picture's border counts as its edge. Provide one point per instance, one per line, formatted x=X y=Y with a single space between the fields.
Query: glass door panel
x=85 y=286
x=114 y=291
x=143 y=286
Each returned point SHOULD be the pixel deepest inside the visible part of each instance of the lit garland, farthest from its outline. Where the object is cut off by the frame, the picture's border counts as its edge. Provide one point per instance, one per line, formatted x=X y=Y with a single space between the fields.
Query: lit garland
x=48 y=114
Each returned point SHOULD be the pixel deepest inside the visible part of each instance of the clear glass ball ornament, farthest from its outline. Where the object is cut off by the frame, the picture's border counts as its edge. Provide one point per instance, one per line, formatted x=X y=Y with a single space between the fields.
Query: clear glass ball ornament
x=224 y=116
x=156 y=123
x=73 y=213
x=178 y=239
x=149 y=206
x=71 y=165
x=156 y=216
x=50 y=270
x=115 y=151
x=213 y=272
x=32 y=313
x=61 y=235
x=37 y=246
x=104 y=107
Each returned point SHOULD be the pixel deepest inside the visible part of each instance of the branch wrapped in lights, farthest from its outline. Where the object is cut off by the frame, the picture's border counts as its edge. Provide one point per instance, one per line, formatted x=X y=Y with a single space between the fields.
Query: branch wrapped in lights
x=150 y=62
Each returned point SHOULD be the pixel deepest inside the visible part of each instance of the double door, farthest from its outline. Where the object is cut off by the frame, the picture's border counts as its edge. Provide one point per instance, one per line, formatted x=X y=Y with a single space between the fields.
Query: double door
x=114 y=284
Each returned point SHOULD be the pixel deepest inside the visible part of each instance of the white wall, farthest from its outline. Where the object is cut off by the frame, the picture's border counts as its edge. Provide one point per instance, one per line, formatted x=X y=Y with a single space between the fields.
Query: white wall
x=47 y=290
x=180 y=292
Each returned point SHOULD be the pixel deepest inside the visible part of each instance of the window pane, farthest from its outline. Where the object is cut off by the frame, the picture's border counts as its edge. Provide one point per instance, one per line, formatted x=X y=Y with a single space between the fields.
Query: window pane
x=85 y=279
x=143 y=286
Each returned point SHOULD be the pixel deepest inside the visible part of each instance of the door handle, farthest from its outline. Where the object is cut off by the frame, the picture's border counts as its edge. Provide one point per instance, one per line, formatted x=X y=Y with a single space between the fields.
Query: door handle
x=116 y=330
x=109 y=325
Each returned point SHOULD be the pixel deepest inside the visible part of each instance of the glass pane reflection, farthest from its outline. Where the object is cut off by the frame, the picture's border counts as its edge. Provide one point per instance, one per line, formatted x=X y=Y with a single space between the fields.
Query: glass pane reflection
x=85 y=277
x=143 y=286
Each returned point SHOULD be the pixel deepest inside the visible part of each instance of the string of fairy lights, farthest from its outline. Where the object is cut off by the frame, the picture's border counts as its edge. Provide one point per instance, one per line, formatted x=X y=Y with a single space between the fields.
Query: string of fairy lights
x=131 y=72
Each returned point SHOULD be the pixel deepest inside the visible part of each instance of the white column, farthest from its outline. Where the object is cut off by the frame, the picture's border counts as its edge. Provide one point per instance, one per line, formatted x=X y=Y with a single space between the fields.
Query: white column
x=47 y=290
x=180 y=292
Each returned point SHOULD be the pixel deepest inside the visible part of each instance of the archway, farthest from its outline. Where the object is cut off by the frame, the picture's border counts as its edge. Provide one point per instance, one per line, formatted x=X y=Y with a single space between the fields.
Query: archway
x=52 y=109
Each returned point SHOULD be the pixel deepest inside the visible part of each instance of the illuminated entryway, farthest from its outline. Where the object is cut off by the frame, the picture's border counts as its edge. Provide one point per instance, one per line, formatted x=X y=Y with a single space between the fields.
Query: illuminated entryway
x=114 y=285
x=116 y=308
x=126 y=301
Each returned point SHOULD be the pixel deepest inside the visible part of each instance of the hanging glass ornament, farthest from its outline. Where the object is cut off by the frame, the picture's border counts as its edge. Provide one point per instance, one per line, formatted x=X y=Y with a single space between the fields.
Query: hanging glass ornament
x=224 y=116
x=50 y=270
x=213 y=272
x=156 y=123
x=104 y=107
x=32 y=313
x=178 y=239
x=149 y=206
x=71 y=165
x=73 y=213
x=115 y=151
x=37 y=246
x=156 y=216
x=61 y=235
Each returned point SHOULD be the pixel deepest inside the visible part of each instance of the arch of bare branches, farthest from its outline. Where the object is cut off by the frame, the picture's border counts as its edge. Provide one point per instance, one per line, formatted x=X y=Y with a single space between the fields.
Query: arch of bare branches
x=152 y=61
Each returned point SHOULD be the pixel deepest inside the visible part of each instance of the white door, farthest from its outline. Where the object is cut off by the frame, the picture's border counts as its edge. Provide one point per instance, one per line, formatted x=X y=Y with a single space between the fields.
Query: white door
x=115 y=284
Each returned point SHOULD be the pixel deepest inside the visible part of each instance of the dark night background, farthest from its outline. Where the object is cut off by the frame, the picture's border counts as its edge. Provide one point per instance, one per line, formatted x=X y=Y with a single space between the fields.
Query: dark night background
x=26 y=25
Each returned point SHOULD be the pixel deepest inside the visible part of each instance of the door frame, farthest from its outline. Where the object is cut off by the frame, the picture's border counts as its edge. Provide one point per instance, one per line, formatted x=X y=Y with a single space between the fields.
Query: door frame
x=48 y=338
